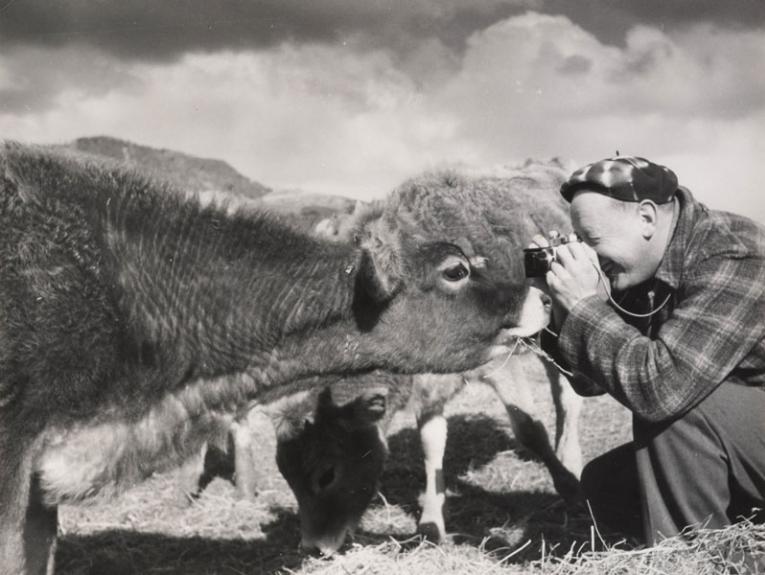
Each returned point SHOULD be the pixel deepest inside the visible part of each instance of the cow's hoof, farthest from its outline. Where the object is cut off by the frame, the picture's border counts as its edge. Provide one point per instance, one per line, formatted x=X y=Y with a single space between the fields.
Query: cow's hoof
x=431 y=531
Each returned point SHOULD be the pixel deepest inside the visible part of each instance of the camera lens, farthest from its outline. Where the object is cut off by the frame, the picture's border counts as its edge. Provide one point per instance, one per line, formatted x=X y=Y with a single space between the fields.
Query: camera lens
x=537 y=261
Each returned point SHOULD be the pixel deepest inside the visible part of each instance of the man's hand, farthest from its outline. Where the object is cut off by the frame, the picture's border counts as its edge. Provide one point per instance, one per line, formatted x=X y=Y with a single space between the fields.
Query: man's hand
x=574 y=276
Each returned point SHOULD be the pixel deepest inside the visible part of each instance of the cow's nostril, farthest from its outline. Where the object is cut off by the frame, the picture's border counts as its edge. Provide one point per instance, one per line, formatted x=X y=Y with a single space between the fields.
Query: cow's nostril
x=546 y=299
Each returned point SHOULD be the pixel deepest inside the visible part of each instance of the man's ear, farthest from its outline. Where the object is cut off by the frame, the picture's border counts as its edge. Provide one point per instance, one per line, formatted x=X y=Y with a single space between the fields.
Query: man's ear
x=649 y=214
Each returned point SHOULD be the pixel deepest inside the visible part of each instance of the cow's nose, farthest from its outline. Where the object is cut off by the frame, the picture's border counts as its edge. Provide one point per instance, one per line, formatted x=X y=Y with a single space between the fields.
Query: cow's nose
x=311 y=549
x=325 y=547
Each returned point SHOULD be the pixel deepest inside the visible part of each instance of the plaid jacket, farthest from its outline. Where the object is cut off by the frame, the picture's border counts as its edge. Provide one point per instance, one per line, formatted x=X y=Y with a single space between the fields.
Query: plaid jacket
x=711 y=330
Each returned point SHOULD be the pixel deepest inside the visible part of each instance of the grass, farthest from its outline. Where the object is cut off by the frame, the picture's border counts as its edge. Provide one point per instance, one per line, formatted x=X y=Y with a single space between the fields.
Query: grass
x=503 y=516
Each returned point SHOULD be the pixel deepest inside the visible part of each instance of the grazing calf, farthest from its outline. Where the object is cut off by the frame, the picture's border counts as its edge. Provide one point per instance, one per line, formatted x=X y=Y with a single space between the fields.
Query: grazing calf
x=331 y=443
x=131 y=316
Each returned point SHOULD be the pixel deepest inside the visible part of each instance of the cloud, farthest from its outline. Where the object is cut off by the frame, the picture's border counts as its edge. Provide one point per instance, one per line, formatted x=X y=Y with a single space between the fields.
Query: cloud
x=538 y=69
x=335 y=119
x=609 y=21
x=150 y=30
x=33 y=78
x=539 y=85
x=310 y=116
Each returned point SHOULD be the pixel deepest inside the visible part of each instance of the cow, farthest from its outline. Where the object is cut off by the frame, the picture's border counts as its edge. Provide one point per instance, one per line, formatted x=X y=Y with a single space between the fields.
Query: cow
x=514 y=206
x=323 y=435
x=331 y=444
x=131 y=315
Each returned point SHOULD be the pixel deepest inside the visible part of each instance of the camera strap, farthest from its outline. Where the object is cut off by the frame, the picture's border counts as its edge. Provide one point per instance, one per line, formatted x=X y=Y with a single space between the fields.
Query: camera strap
x=627 y=312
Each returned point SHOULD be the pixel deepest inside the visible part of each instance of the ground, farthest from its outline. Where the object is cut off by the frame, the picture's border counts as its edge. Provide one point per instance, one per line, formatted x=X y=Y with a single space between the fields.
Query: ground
x=501 y=508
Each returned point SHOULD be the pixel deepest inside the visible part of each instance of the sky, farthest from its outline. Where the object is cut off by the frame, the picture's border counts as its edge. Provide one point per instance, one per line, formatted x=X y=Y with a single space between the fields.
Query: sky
x=352 y=97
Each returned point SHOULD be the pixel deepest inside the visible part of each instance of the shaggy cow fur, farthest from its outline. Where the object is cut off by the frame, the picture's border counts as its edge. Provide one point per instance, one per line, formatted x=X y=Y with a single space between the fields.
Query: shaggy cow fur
x=131 y=315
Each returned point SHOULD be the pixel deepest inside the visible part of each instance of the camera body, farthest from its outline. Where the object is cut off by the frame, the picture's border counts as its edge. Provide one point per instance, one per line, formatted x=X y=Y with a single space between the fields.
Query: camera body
x=537 y=261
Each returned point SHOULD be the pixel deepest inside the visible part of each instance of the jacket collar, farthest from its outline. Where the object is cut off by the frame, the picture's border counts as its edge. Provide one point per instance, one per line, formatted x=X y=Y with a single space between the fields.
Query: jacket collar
x=670 y=269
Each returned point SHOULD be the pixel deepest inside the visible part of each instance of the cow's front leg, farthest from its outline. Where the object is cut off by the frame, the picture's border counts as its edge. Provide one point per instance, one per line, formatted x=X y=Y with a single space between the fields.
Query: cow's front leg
x=433 y=431
x=512 y=385
x=28 y=527
x=190 y=475
x=568 y=408
x=245 y=466
x=40 y=532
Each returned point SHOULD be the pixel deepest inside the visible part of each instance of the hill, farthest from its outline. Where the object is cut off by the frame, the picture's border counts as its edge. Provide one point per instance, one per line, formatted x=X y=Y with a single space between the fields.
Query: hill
x=189 y=173
x=305 y=209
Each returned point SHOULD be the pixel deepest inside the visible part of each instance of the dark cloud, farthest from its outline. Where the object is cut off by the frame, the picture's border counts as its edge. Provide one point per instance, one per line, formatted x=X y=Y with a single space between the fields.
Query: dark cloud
x=148 y=29
x=609 y=20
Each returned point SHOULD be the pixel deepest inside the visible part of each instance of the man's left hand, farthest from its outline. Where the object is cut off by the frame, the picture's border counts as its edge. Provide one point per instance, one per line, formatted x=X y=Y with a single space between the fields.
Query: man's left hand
x=574 y=276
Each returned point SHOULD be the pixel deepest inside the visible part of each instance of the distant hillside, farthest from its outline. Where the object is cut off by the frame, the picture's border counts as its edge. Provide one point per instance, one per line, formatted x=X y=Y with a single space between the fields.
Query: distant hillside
x=305 y=209
x=189 y=173
x=215 y=180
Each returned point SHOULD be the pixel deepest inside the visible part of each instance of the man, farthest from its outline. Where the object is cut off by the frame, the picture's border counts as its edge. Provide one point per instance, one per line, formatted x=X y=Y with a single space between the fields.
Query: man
x=676 y=333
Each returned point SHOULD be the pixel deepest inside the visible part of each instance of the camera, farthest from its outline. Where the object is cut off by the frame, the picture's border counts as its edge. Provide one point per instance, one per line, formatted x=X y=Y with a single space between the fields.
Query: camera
x=537 y=261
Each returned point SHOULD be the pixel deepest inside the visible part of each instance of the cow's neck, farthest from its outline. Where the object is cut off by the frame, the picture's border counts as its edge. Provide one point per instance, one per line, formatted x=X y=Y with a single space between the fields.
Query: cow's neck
x=215 y=294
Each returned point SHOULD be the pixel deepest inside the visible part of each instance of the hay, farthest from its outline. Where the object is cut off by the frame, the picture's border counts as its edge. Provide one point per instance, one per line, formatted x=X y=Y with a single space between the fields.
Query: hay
x=502 y=514
x=737 y=549
x=734 y=550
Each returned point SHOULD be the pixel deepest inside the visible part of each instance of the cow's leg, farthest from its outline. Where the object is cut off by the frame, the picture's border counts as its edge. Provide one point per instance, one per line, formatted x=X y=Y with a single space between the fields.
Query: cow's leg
x=514 y=389
x=568 y=407
x=244 y=461
x=40 y=532
x=433 y=431
x=190 y=476
x=27 y=527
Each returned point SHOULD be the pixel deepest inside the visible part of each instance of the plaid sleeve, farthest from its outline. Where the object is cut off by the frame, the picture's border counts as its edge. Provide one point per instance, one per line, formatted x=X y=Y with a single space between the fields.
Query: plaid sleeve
x=718 y=320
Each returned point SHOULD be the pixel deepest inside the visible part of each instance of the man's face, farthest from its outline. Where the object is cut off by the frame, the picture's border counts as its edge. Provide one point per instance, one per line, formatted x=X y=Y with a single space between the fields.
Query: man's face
x=615 y=230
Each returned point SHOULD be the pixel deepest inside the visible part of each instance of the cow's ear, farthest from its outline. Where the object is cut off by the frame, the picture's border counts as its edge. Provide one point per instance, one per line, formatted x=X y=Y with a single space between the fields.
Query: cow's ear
x=377 y=278
x=380 y=267
x=366 y=409
x=325 y=404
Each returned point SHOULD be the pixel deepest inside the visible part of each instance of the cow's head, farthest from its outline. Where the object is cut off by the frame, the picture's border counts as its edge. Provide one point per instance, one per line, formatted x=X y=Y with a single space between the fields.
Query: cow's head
x=438 y=281
x=332 y=461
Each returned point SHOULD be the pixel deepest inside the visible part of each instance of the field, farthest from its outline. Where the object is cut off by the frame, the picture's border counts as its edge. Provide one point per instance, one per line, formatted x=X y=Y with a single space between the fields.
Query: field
x=503 y=514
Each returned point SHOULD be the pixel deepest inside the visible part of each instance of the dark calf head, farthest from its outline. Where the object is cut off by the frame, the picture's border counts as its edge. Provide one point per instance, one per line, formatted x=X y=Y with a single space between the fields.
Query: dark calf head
x=332 y=463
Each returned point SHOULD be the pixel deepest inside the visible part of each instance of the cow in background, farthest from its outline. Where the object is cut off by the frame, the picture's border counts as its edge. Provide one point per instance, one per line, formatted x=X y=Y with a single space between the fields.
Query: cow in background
x=312 y=431
x=131 y=317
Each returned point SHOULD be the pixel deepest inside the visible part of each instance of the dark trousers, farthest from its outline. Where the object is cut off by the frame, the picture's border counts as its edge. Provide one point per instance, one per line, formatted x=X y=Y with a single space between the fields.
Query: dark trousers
x=706 y=468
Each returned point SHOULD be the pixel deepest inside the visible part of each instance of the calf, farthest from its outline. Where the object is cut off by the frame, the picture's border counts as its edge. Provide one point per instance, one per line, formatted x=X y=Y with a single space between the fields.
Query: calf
x=331 y=445
x=132 y=316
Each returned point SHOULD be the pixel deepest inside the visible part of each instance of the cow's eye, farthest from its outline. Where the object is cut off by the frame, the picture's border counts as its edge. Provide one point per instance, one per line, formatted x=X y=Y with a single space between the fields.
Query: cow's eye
x=456 y=272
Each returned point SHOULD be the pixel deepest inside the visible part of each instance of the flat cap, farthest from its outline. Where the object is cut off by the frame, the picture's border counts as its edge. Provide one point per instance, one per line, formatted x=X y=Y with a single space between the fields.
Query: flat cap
x=625 y=178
